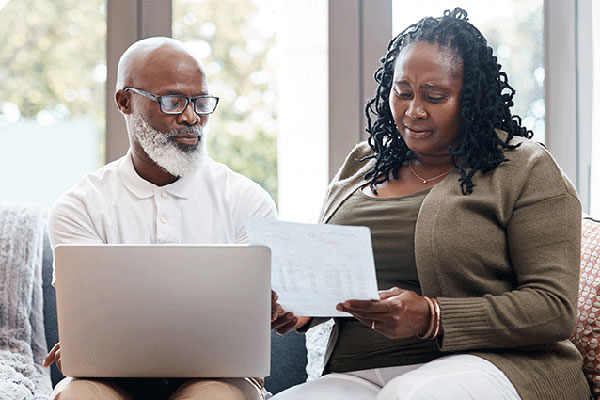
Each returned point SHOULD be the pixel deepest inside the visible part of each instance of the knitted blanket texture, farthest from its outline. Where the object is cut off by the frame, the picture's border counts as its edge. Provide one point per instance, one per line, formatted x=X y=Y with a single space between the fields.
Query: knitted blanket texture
x=22 y=338
x=316 y=345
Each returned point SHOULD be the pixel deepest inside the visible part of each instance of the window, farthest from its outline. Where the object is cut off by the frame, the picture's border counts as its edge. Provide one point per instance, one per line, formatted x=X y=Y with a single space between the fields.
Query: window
x=515 y=30
x=236 y=47
x=267 y=61
x=305 y=65
x=52 y=95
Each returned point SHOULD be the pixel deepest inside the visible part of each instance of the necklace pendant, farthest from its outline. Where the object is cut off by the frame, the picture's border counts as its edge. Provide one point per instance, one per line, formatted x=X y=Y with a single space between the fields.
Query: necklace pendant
x=419 y=177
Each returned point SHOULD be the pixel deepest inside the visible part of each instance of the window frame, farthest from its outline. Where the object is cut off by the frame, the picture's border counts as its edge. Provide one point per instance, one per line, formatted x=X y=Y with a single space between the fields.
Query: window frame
x=585 y=98
x=127 y=22
x=358 y=33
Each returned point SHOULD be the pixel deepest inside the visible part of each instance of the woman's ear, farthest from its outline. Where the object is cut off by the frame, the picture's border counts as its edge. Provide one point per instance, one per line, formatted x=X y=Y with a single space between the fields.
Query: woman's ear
x=123 y=102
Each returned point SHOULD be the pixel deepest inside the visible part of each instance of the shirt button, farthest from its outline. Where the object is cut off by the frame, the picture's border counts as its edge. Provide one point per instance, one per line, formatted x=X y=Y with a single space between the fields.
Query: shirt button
x=163 y=219
x=164 y=195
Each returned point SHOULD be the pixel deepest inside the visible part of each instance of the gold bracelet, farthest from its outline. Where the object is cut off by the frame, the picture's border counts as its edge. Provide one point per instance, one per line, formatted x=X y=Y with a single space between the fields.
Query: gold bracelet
x=438 y=318
x=431 y=327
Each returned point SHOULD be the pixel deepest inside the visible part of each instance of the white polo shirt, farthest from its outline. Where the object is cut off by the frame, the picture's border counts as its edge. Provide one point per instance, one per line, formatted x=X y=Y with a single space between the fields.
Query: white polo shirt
x=115 y=205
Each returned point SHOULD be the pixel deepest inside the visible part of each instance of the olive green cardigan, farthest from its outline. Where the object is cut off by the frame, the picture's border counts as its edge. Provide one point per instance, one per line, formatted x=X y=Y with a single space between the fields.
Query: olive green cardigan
x=503 y=263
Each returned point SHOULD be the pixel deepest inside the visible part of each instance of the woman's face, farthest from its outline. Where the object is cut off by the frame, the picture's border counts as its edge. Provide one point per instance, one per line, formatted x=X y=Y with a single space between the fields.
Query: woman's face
x=425 y=98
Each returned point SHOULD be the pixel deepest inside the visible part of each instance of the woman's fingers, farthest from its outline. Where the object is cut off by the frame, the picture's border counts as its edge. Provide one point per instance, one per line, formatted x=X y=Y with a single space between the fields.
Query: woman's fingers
x=370 y=316
x=379 y=324
x=389 y=302
x=395 y=291
x=400 y=313
x=371 y=306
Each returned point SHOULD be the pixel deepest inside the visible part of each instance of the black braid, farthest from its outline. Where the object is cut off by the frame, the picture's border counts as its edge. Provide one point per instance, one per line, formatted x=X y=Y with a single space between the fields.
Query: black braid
x=486 y=98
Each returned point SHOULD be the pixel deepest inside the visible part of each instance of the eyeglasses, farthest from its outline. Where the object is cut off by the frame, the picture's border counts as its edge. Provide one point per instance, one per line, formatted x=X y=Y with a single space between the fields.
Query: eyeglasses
x=176 y=104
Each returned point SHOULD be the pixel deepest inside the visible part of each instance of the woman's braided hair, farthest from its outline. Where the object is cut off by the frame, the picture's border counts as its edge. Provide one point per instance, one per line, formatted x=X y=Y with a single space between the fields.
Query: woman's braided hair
x=485 y=99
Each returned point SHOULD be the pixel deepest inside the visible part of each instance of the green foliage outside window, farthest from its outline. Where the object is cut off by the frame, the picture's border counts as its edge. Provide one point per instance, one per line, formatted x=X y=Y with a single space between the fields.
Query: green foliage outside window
x=53 y=61
x=518 y=43
x=235 y=50
x=53 y=67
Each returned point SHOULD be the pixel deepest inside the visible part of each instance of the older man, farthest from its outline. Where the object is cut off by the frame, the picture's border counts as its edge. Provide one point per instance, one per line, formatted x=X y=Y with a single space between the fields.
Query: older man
x=164 y=190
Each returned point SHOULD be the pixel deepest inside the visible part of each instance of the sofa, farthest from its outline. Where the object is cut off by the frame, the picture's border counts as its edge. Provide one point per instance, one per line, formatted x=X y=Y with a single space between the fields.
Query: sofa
x=288 y=353
x=586 y=336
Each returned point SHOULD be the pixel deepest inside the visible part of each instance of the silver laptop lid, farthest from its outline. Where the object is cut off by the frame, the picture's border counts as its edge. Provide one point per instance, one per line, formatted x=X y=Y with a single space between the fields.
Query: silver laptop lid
x=163 y=310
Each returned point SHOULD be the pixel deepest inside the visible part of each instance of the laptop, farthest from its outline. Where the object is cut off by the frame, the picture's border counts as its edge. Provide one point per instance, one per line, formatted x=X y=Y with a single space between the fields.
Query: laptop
x=163 y=310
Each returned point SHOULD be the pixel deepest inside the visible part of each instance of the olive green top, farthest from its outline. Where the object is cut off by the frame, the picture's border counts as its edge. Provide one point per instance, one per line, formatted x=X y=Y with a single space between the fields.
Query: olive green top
x=503 y=263
x=392 y=224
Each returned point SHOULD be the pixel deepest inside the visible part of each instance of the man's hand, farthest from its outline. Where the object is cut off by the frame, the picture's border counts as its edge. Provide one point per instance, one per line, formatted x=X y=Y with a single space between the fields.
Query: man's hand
x=53 y=356
x=397 y=314
x=282 y=321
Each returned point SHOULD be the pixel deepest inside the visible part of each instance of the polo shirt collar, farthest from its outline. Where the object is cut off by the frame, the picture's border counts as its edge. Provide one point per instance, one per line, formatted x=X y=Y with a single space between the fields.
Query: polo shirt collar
x=184 y=187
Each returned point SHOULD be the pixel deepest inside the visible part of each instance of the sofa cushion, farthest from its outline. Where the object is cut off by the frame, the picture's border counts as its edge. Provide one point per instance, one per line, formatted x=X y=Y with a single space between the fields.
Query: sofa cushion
x=49 y=305
x=587 y=333
x=288 y=361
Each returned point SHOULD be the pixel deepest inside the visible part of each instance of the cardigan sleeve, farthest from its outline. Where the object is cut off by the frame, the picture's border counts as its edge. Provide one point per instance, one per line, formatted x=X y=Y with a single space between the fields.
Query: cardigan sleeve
x=349 y=176
x=543 y=237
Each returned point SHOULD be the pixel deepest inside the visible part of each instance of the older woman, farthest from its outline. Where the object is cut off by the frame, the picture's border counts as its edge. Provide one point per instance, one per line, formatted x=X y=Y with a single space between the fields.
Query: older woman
x=475 y=235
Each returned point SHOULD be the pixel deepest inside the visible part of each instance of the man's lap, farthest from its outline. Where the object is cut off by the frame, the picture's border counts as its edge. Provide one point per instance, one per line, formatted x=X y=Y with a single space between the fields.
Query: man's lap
x=173 y=389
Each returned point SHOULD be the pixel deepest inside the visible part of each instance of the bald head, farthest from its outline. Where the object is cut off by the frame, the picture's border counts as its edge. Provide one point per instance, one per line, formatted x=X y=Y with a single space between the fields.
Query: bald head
x=157 y=57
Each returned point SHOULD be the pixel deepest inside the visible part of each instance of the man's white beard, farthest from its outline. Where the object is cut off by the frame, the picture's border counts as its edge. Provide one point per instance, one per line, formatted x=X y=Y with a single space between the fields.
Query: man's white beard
x=174 y=159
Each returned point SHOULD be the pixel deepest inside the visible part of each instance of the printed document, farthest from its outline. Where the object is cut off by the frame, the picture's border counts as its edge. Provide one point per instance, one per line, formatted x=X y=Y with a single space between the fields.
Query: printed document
x=315 y=267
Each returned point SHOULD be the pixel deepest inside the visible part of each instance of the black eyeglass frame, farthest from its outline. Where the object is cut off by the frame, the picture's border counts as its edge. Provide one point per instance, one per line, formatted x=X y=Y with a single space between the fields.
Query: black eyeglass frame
x=158 y=99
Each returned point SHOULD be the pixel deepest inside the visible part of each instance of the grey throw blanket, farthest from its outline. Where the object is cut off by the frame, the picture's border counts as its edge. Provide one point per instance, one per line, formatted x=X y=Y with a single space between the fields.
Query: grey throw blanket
x=22 y=339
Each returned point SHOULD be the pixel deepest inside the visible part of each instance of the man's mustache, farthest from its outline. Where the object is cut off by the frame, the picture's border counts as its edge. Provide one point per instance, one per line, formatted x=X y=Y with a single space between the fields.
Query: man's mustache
x=185 y=130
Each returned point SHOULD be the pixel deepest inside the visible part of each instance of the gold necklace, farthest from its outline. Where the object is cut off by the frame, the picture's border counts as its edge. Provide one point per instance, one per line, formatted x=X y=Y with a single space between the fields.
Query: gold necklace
x=426 y=180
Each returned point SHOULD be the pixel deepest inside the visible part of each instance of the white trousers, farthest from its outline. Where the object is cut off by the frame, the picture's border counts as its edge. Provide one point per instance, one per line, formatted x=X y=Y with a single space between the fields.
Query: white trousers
x=455 y=377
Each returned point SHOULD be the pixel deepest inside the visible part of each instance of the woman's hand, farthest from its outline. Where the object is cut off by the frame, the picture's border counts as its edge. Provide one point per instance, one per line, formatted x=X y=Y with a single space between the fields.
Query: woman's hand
x=53 y=356
x=282 y=321
x=397 y=314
